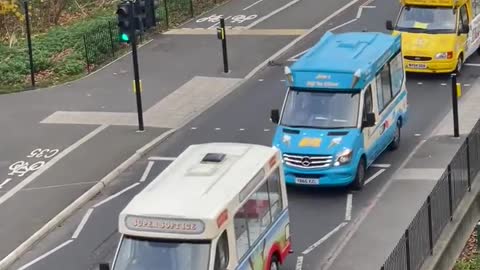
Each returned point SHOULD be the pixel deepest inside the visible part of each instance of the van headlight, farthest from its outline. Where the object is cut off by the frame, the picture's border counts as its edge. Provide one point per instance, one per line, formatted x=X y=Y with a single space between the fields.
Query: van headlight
x=343 y=157
x=444 y=55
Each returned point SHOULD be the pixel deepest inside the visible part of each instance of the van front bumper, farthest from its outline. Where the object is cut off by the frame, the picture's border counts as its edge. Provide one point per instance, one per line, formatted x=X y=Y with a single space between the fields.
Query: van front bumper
x=434 y=66
x=330 y=177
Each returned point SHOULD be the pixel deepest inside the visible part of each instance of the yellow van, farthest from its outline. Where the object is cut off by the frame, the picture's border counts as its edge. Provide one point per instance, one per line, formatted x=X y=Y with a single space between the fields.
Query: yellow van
x=437 y=35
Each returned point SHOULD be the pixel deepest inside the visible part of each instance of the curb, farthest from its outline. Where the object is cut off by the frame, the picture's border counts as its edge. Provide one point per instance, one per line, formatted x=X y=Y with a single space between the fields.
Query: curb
x=80 y=201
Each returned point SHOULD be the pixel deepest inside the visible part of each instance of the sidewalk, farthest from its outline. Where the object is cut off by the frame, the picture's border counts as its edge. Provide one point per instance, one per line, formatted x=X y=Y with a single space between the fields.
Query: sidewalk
x=375 y=234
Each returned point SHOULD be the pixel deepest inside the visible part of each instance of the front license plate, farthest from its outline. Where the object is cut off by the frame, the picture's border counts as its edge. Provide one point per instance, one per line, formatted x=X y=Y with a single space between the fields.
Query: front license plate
x=307 y=181
x=417 y=66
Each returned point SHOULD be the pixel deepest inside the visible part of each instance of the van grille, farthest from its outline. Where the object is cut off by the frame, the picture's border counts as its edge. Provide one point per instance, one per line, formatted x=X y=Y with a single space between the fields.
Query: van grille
x=306 y=161
x=418 y=58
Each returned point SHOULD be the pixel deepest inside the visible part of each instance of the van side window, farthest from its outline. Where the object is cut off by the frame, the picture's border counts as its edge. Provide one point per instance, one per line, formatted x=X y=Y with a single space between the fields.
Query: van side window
x=379 y=93
x=221 y=254
x=463 y=17
x=386 y=85
x=396 y=73
x=275 y=194
x=368 y=101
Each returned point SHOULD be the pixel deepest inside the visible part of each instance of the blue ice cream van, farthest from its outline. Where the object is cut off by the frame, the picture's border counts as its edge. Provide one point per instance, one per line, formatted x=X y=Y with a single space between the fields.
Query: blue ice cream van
x=346 y=103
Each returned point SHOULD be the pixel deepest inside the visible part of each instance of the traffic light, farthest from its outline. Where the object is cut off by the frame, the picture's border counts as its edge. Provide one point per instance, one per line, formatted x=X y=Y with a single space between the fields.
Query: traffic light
x=140 y=14
x=123 y=17
x=151 y=20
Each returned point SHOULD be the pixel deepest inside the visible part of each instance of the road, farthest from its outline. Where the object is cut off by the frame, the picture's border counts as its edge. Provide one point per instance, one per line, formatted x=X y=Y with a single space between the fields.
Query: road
x=242 y=116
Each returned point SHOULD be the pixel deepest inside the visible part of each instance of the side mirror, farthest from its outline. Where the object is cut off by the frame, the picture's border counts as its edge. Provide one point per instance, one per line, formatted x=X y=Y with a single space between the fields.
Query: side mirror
x=274 y=116
x=104 y=266
x=369 y=120
x=389 y=25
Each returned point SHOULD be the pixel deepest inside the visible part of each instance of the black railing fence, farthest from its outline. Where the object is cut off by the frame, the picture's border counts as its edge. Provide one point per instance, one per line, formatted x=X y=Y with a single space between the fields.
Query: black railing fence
x=103 y=43
x=437 y=211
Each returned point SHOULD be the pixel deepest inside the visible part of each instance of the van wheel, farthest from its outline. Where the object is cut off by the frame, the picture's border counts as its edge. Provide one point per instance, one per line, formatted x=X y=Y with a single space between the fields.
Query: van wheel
x=274 y=263
x=396 y=138
x=459 y=65
x=359 y=176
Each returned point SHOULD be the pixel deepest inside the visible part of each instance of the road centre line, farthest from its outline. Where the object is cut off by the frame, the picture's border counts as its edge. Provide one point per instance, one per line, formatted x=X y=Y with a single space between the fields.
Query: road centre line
x=374 y=176
x=253 y=4
x=272 y=13
x=323 y=239
x=82 y=223
x=348 y=210
x=342 y=25
x=147 y=171
x=50 y=163
x=378 y=165
x=116 y=194
x=299 y=264
x=45 y=255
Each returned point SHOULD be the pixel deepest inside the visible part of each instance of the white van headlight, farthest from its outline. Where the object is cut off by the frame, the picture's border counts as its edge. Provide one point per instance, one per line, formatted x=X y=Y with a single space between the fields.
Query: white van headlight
x=343 y=157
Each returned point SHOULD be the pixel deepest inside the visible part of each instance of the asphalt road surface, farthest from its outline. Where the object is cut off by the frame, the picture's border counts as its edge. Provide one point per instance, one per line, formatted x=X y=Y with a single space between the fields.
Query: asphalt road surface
x=90 y=236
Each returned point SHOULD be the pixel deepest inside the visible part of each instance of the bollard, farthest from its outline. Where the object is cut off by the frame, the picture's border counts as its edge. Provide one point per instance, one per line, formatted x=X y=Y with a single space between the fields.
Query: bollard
x=223 y=37
x=455 y=105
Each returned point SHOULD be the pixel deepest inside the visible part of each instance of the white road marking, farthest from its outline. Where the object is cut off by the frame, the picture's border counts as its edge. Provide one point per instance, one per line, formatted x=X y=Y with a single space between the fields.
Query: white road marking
x=82 y=223
x=253 y=4
x=298 y=39
x=295 y=57
x=374 y=176
x=272 y=13
x=116 y=195
x=323 y=239
x=60 y=186
x=50 y=163
x=266 y=130
x=162 y=158
x=443 y=84
x=419 y=83
x=348 y=210
x=466 y=84
x=260 y=80
x=299 y=264
x=45 y=255
x=339 y=246
x=218 y=23
x=5 y=182
x=342 y=25
x=472 y=64
x=378 y=165
x=147 y=171
x=217 y=128
x=417 y=135
x=283 y=80
x=242 y=129
x=194 y=128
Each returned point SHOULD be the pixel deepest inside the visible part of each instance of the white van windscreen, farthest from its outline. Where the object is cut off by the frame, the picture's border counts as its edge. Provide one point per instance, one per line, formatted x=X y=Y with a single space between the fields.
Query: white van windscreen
x=160 y=254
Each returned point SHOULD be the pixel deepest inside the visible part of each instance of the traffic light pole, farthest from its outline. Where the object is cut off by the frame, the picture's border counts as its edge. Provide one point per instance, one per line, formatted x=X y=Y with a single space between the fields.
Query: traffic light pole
x=29 y=41
x=133 y=38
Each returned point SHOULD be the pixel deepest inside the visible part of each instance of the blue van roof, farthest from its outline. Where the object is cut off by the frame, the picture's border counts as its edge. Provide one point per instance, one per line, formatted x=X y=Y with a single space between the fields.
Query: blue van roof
x=334 y=60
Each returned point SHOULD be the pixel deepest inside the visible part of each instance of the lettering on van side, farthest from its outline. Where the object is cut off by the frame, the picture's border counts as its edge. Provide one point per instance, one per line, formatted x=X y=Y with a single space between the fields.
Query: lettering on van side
x=164 y=225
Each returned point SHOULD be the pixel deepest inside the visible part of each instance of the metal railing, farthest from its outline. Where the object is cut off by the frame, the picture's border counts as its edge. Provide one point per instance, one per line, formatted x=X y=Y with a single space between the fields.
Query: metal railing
x=437 y=211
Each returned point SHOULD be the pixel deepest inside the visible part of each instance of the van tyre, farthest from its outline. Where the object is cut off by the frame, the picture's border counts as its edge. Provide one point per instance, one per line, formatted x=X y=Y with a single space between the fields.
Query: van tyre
x=274 y=263
x=359 y=176
x=459 y=65
x=396 y=137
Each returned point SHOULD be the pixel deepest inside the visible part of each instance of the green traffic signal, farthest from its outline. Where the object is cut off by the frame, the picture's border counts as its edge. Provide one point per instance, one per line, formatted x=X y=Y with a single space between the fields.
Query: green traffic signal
x=124 y=37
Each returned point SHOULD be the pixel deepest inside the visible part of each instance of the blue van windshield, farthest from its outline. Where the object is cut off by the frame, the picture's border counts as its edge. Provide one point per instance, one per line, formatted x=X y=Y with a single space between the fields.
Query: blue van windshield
x=324 y=110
